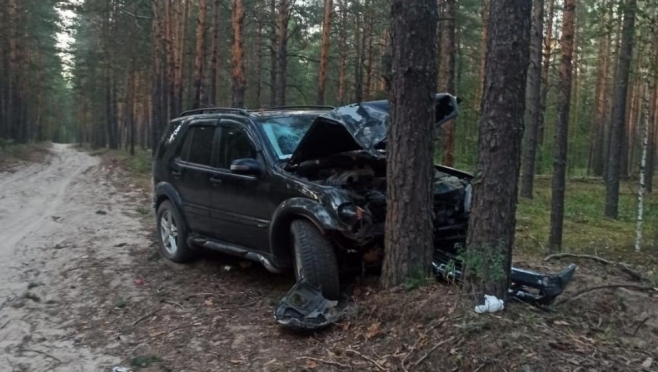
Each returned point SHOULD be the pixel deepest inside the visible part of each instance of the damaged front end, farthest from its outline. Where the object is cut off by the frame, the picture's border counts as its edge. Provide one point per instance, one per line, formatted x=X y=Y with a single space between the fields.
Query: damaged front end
x=345 y=149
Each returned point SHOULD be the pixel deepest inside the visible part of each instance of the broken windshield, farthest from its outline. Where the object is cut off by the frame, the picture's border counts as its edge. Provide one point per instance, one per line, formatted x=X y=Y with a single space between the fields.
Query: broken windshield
x=284 y=133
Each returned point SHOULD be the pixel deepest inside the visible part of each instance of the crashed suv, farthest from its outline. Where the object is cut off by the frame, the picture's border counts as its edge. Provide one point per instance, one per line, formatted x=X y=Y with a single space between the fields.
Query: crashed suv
x=303 y=189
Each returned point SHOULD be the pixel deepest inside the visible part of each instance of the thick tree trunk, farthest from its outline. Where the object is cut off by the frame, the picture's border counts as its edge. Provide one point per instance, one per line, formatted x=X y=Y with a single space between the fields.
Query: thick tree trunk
x=619 y=112
x=548 y=49
x=447 y=74
x=562 y=128
x=533 y=100
x=410 y=141
x=611 y=91
x=368 y=56
x=282 y=72
x=237 y=60
x=200 y=53
x=493 y=213
x=259 y=56
x=324 y=53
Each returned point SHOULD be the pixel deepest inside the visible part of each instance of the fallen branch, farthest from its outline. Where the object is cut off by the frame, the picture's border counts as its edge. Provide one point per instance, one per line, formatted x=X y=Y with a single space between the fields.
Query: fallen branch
x=42 y=353
x=174 y=304
x=326 y=362
x=145 y=316
x=432 y=350
x=634 y=274
x=640 y=325
x=609 y=286
x=381 y=368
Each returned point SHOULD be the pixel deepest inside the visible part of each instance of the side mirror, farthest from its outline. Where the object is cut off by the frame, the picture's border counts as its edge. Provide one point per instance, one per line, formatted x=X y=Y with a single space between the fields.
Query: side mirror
x=247 y=167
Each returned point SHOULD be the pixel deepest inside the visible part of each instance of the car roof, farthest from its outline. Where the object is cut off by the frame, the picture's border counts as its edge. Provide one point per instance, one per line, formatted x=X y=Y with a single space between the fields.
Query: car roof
x=260 y=113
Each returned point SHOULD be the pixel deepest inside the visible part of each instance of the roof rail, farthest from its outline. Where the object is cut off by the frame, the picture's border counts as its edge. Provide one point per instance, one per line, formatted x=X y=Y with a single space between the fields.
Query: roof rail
x=210 y=110
x=301 y=107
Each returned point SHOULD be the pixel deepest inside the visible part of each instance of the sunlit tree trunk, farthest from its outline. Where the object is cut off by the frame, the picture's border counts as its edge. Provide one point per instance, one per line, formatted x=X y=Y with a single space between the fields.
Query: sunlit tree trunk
x=237 y=60
x=548 y=50
x=644 y=129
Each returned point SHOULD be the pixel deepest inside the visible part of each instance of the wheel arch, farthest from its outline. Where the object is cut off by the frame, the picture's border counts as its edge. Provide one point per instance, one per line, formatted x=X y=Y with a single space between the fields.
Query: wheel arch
x=285 y=214
x=165 y=191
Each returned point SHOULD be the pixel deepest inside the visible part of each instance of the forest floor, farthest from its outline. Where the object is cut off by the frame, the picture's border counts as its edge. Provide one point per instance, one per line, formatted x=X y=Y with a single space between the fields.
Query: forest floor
x=83 y=289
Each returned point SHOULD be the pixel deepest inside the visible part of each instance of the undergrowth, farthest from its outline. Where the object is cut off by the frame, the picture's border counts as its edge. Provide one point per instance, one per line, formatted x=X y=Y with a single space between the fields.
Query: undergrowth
x=586 y=230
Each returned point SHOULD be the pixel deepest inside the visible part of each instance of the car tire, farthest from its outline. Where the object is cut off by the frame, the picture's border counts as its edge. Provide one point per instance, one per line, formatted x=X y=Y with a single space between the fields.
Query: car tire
x=315 y=258
x=172 y=234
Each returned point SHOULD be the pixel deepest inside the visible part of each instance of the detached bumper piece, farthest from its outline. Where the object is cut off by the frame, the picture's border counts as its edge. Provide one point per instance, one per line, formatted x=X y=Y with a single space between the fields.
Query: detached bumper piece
x=528 y=286
x=304 y=308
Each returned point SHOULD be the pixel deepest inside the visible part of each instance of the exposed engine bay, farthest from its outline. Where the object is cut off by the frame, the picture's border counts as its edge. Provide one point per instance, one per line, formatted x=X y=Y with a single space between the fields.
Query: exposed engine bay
x=363 y=178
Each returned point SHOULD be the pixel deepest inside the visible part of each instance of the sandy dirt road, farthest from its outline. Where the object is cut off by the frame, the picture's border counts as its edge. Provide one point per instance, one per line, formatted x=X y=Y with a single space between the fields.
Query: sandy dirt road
x=57 y=219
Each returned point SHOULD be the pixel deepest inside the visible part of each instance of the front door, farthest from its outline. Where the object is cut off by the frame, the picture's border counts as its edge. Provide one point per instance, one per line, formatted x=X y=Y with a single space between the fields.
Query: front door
x=239 y=211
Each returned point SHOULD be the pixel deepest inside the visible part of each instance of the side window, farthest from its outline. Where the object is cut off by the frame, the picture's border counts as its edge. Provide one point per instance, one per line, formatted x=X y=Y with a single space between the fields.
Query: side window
x=197 y=148
x=234 y=144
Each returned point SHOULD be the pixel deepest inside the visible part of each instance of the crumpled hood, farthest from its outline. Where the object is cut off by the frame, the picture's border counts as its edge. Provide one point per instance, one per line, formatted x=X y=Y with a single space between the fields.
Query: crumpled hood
x=359 y=126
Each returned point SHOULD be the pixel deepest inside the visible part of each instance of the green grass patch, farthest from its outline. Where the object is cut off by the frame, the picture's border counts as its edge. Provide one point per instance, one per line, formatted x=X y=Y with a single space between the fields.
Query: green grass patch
x=586 y=230
x=11 y=152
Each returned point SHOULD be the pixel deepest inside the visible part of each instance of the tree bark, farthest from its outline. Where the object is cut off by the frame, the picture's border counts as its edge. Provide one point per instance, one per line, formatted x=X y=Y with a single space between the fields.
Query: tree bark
x=342 y=52
x=200 y=53
x=653 y=125
x=324 y=53
x=562 y=128
x=282 y=72
x=274 y=53
x=410 y=144
x=533 y=100
x=484 y=39
x=237 y=60
x=619 y=112
x=493 y=213
x=447 y=74
x=644 y=129
x=214 y=65
x=600 y=116
x=548 y=49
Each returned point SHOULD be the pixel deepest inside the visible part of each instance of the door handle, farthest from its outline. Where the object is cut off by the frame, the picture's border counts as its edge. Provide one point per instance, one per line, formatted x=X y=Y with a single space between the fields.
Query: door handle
x=176 y=173
x=215 y=181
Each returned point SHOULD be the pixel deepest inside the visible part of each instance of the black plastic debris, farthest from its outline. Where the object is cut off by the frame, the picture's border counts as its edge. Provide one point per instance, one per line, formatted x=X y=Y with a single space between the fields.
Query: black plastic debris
x=304 y=308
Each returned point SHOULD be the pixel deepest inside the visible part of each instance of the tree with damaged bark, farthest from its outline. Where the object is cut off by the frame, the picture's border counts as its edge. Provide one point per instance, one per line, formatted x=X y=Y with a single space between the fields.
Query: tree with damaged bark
x=562 y=128
x=533 y=100
x=493 y=214
x=619 y=110
x=410 y=141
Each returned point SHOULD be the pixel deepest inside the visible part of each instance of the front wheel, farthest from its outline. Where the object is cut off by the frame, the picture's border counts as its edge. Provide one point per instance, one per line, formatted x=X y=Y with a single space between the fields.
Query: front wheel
x=315 y=258
x=172 y=234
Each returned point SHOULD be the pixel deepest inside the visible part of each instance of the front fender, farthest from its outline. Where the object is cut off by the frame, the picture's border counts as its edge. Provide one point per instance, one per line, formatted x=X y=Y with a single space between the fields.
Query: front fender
x=289 y=210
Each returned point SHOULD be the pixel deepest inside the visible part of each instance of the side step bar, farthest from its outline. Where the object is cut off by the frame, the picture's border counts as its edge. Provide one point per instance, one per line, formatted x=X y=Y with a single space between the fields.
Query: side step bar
x=234 y=250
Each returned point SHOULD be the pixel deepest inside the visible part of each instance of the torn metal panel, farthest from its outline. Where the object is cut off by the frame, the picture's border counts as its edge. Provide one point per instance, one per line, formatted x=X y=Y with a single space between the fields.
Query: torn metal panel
x=304 y=308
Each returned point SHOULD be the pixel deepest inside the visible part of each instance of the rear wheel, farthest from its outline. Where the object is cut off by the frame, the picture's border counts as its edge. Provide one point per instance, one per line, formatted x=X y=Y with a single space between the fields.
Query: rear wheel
x=315 y=258
x=172 y=234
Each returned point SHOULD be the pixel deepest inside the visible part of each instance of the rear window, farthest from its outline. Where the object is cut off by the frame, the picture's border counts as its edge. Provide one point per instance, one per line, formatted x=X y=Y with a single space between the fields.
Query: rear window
x=198 y=145
x=168 y=137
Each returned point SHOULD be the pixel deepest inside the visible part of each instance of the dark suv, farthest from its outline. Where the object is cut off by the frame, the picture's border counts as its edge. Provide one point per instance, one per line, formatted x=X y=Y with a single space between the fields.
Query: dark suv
x=302 y=188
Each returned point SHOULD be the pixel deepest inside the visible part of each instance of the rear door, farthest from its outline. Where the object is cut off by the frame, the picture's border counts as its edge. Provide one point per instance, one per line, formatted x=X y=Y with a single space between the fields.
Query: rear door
x=192 y=172
x=240 y=210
